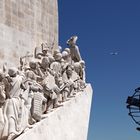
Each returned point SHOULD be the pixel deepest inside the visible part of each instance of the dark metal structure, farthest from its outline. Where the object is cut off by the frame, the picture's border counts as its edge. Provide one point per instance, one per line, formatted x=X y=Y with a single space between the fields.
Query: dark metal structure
x=133 y=104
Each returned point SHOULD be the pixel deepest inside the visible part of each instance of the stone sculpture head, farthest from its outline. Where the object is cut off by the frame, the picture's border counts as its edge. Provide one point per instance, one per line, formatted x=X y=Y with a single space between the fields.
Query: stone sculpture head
x=82 y=62
x=67 y=50
x=12 y=72
x=58 y=80
x=72 y=41
x=65 y=55
x=58 y=56
x=56 y=51
x=30 y=75
x=32 y=64
x=60 y=48
x=51 y=58
x=45 y=62
x=69 y=70
x=77 y=66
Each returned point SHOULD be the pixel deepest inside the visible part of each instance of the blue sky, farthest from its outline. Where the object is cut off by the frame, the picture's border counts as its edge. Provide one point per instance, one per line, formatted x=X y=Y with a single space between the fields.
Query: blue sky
x=105 y=26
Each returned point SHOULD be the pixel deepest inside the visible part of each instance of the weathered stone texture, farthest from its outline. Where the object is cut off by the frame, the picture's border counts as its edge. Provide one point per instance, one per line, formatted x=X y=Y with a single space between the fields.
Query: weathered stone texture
x=69 y=122
x=25 y=24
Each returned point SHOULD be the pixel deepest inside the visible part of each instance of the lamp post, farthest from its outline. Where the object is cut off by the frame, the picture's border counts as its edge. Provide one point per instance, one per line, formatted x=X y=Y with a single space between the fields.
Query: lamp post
x=133 y=105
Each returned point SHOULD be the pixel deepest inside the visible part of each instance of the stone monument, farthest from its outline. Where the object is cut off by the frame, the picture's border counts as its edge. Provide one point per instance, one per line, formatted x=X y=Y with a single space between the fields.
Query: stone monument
x=43 y=89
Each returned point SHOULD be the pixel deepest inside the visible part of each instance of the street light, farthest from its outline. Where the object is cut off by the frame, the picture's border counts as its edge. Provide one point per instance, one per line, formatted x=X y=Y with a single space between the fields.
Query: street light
x=133 y=104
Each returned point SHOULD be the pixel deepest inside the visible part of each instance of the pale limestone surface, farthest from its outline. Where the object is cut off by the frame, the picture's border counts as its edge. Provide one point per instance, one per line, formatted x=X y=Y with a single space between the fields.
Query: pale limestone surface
x=34 y=90
x=69 y=122
x=24 y=25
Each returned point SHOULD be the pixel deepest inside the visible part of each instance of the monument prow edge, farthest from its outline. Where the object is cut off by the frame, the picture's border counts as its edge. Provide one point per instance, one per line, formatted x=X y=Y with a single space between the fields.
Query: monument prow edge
x=68 y=122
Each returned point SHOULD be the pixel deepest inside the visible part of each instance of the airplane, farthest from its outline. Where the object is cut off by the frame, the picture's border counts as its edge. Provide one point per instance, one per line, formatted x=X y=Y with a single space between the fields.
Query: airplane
x=114 y=53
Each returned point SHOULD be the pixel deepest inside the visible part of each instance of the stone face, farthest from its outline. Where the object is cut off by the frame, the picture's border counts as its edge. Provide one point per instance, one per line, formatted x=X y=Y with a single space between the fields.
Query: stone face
x=24 y=25
x=69 y=122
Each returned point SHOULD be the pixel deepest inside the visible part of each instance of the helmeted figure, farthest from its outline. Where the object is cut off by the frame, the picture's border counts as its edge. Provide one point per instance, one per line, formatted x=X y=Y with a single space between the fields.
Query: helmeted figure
x=66 y=54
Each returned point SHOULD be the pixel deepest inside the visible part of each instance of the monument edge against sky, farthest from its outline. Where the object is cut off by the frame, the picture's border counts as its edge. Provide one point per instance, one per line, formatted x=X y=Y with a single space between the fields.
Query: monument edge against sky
x=69 y=122
x=48 y=97
x=24 y=25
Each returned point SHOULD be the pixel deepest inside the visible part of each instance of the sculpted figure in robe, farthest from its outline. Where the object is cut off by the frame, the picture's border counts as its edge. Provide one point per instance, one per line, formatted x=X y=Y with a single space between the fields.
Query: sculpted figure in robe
x=14 y=110
x=74 y=50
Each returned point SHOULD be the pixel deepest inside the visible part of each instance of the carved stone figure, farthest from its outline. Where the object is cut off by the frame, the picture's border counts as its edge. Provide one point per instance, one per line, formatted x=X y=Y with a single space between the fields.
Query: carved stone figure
x=79 y=69
x=66 y=56
x=15 y=112
x=49 y=92
x=74 y=50
x=2 y=101
x=68 y=59
x=62 y=88
x=56 y=65
x=38 y=52
x=2 y=88
x=67 y=78
x=69 y=71
x=43 y=50
x=44 y=66
x=37 y=105
x=24 y=61
x=34 y=70
x=36 y=97
x=83 y=69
